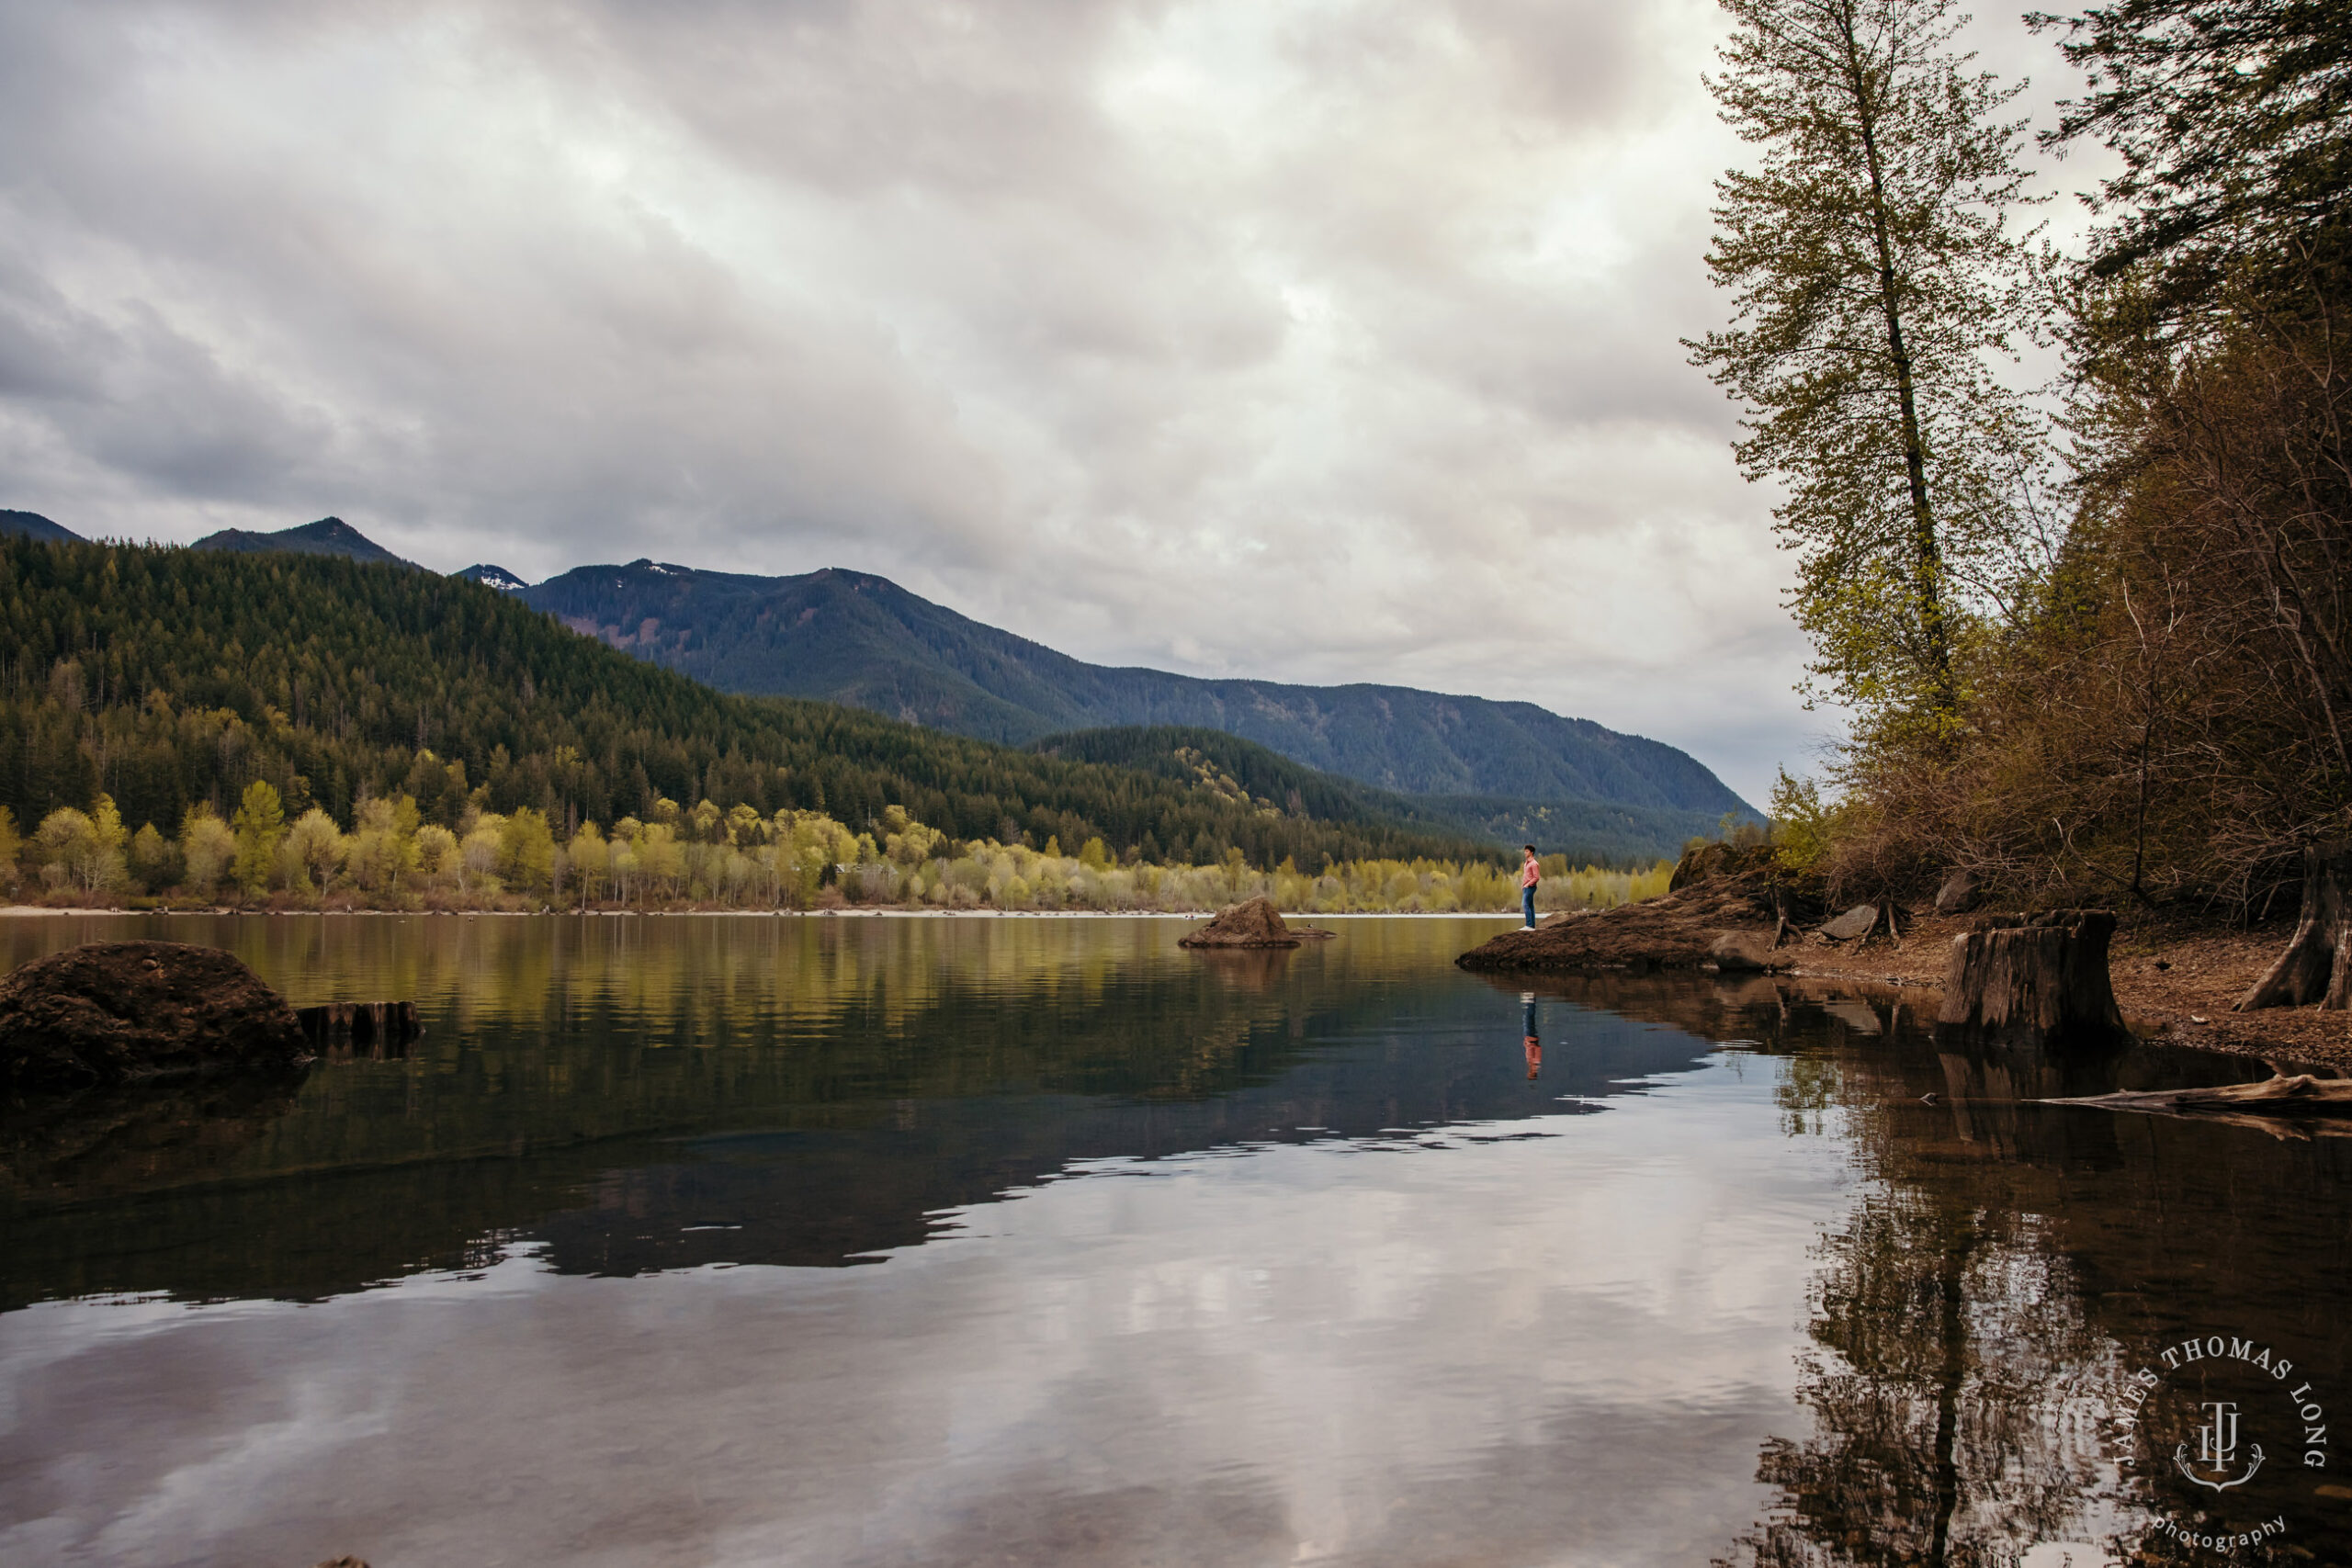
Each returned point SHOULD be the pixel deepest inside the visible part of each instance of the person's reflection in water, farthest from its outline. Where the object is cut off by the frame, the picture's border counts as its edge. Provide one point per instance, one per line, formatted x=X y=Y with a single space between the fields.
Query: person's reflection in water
x=1535 y=1046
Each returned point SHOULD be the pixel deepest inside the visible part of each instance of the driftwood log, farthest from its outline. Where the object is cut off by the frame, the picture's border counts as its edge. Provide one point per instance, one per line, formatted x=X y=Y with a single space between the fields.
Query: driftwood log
x=2317 y=964
x=2041 y=977
x=2277 y=1101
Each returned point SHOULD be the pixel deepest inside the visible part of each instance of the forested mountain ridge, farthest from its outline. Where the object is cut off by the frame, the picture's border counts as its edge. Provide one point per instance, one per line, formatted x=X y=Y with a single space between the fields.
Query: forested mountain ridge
x=33 y=525
x=853 y=637
x=327 y=536
x=167 y=677
x=1585 y=831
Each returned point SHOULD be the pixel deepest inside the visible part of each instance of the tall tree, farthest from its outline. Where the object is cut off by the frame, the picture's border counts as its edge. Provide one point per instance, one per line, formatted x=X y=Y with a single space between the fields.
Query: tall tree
x=1878 y=285
x=2233 y=121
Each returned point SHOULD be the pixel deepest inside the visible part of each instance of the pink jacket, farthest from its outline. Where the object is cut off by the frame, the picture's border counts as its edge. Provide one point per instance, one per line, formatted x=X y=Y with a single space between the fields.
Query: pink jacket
x=1530 y=873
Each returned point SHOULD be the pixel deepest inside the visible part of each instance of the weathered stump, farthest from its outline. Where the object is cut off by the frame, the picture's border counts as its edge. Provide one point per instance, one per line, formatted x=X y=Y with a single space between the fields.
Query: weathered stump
x=378 y=1030
x=2042 y=978
x=2317 y=964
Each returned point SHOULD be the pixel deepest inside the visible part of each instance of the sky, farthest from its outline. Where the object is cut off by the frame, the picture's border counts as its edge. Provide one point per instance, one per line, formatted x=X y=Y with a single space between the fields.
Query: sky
x=1328 y=340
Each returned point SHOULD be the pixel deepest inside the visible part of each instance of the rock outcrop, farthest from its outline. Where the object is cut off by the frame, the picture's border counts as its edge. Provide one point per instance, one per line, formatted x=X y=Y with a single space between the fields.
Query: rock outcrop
x=1858 y=921
x=114 y=1011
x=1957 y=894
x=1254 y=924
x=1679 y=931
x=1749 y=953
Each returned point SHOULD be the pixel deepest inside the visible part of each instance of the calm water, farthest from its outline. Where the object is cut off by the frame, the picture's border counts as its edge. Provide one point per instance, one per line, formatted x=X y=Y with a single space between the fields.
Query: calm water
x=1041 y=1242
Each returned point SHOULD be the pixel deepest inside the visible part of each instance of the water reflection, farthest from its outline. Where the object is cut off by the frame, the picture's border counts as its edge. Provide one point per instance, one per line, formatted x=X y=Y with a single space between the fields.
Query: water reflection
x=2006 y=1266
x=674 y=1093
x=1165 y=1258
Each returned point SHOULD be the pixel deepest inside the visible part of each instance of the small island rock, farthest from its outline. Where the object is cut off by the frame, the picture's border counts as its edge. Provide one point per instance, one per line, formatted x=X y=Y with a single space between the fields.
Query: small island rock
x=1254 y=924
x=111 y=1011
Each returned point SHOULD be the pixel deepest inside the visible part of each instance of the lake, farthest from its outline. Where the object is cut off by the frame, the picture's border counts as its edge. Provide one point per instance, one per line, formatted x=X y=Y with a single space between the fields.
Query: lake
x=693 y=1240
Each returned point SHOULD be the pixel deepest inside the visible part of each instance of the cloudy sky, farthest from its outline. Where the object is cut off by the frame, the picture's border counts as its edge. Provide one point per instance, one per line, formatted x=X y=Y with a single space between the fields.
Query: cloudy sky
x=1325 y=341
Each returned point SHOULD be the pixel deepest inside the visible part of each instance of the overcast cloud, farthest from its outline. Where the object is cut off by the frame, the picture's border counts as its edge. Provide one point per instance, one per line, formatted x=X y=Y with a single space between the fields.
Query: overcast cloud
x=1321 y=342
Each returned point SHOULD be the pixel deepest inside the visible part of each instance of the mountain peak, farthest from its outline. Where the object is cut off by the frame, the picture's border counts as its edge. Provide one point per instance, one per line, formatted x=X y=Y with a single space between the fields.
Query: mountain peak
x=33 y=525
x=851 y=637
x=327 y=536
x=496 y=577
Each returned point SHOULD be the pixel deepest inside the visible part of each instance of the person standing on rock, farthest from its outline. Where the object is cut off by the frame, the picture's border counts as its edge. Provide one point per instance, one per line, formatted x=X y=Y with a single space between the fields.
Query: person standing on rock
x=1530 y=873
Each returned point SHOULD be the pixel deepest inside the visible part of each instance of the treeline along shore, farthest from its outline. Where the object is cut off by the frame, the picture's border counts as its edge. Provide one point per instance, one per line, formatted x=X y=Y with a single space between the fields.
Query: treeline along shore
x=282 y=730
x=704 y=858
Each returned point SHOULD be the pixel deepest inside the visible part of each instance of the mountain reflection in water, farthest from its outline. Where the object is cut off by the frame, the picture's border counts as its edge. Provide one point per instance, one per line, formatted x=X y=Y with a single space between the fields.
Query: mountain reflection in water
x=1236 y=1259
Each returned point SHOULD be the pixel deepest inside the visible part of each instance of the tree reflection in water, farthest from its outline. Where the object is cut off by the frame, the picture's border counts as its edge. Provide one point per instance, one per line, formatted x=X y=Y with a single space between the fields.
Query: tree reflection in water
x=2004 y=1266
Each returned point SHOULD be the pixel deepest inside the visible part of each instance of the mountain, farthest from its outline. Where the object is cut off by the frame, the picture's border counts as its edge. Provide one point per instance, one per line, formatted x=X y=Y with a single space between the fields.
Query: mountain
x=33 y=525
x=327 y=536
x=1586 y=831
x=851 y=637
x=496 y=577
x=168 y=677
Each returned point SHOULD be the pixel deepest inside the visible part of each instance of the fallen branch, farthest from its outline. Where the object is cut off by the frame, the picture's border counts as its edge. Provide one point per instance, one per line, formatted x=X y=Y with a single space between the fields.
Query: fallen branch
x=2298 y=1095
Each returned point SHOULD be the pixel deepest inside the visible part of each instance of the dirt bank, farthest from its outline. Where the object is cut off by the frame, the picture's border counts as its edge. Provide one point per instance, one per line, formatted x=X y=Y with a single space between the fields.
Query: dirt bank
x=2176 y=975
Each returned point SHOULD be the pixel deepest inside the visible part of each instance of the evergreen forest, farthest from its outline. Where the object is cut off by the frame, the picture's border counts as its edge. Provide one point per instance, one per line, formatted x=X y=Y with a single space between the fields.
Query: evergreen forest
x=148 y=690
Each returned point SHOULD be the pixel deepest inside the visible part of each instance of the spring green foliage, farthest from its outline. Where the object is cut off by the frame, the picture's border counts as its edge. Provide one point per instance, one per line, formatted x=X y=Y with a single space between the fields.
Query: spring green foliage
x=174 y=681
x=391 y=858
x=1803 y=826
x=82 y=850
x=1875 y=285
x=261 y=826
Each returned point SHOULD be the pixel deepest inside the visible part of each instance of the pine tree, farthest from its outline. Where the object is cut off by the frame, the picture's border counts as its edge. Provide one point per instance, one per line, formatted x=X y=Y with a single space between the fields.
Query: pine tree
x=2233 y=121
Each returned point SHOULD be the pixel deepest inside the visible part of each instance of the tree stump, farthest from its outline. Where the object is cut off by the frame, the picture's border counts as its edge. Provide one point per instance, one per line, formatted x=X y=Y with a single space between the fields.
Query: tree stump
x=340 y=1030
x=2042 y=978
x=2317 y=964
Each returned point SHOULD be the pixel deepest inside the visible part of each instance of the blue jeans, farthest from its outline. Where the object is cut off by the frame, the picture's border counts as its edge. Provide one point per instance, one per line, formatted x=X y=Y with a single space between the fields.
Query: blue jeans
x=1527 y=902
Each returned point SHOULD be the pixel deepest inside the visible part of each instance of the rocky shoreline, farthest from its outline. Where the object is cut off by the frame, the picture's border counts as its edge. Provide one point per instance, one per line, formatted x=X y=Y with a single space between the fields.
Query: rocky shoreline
x=2176 y=976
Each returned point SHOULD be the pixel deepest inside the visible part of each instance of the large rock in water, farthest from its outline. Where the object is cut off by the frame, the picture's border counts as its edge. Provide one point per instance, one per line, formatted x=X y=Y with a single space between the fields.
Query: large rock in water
x=1254 y=924
x=116 y=1010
